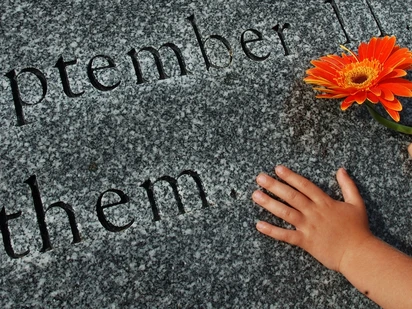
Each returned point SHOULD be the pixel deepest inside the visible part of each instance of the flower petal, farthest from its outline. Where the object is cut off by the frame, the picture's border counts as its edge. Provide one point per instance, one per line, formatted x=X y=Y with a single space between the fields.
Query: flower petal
x=373 y=98
x=362 y=51
x=399 y=81
x=326 y=66
x=376 y=91
x=335 y=60
x=407 y=65
x=330 y=96
x=360 y=97
x=318 y=81
x=332 y=92
x=398 y=58
x=389 y=73
x=371 y=48
x=394 y=114
x=393 y=105
x=321 y=73
x=347 y=103
x=384 y=48
x=387 y=94
x=396 y=89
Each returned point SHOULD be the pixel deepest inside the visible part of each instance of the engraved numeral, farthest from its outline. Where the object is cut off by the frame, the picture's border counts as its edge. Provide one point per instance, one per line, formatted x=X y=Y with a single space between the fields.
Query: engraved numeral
x=340 y=19
x=378 y=23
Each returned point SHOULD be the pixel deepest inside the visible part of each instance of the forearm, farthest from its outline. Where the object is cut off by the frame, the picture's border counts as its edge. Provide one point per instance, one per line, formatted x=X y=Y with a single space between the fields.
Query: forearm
x=381 y=272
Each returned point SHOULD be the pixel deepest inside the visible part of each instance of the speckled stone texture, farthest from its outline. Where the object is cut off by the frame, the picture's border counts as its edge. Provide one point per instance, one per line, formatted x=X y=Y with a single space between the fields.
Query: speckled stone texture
x=226 y=124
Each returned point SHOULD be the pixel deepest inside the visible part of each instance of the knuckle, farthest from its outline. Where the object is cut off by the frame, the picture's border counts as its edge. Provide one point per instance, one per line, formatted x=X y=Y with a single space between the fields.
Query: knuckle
x=303 y=183
x=293 y=195
x=286 y=213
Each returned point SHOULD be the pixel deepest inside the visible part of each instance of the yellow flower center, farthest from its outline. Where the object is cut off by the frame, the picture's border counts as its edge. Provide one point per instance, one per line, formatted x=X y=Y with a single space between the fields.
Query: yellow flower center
x=360 y=75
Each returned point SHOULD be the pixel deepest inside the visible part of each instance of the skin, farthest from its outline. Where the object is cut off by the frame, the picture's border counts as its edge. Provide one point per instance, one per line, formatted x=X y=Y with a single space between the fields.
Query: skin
x=337 y=234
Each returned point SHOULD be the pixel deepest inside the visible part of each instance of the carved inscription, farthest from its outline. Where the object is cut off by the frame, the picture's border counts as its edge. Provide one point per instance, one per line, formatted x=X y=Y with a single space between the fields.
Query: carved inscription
x=92 y=69
x=5 y=232
x=92 y=77
x=202 y=45
x=342 y=25
x=377 y=21
x=340 y=19
x=14 y=76
x=158 y=61
x=148 y=185
x=62 y=65
x=41 y=213
x=98 y=63
x=245 y=47
x=18 y=102
x=279 y=30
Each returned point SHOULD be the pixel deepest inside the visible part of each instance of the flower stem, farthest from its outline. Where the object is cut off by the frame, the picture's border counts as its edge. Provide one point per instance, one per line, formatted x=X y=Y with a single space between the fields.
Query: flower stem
x=387 y=123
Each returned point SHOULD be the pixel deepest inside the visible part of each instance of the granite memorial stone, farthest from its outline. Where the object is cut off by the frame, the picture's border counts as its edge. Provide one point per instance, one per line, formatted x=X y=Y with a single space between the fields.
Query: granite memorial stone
x=132 y=133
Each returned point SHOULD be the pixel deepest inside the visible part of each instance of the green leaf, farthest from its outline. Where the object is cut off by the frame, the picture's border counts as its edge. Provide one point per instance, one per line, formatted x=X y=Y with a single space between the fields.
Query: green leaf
x=387 y=123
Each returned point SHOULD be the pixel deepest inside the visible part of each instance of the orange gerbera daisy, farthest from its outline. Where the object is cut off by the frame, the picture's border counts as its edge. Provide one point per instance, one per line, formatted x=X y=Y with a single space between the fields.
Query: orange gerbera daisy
x=375 y=74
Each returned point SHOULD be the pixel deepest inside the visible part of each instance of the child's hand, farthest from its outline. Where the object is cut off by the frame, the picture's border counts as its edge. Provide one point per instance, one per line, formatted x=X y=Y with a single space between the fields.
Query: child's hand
x=326 y=228
x=337 y=235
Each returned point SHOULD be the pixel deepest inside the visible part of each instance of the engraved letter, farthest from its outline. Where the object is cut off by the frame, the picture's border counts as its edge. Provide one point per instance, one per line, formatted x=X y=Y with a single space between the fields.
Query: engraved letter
x=101 y=216
x=282 y=36
x=158 y=61
x=5 y=232
x=148 y=185
x=203 y=43
x=61 y=65
x=41 y=215
x=18 y=102
x=247 y=51
x=92 y=76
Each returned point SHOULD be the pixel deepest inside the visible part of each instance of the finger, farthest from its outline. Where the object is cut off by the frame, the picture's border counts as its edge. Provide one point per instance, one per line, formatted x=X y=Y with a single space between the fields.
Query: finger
x=277 y=208
x=290 y=236
x=285 y=192
x=349 y=190
x=302 y=184
x=410 y=150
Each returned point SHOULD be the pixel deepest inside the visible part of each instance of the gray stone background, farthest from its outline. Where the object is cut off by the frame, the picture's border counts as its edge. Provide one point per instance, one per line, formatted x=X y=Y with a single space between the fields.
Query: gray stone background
x=226 y=124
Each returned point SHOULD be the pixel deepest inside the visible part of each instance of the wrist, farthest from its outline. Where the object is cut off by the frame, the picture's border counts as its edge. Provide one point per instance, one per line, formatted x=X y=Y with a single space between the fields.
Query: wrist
x=355 y=251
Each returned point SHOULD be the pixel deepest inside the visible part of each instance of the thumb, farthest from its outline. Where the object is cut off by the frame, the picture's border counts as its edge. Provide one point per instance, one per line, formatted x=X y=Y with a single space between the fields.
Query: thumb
x=349 y=190
x=410 y=149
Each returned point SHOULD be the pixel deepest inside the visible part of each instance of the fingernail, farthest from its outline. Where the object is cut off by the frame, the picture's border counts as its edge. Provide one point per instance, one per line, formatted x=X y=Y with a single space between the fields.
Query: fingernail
x=344 y=171
x=257 y=196
x=261 y=226
x=262 y=179
x=280 y=169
